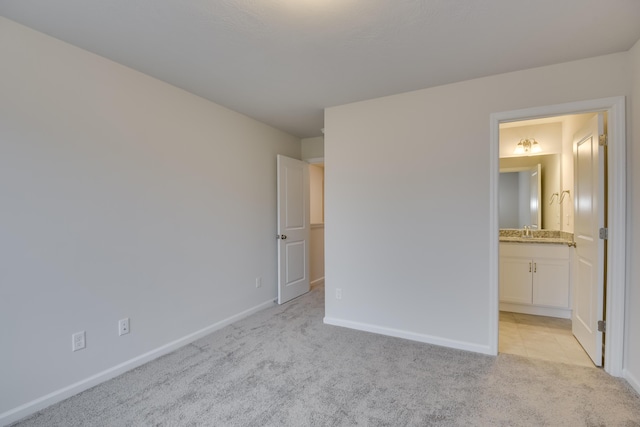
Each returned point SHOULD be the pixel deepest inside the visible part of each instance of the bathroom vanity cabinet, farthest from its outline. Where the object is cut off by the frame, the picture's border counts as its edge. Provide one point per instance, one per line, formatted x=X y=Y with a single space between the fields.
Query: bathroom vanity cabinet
x=535 y=278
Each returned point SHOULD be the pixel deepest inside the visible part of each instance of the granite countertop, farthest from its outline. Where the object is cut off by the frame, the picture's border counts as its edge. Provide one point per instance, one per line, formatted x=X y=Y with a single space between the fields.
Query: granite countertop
x=537 y=236
x=535 y=240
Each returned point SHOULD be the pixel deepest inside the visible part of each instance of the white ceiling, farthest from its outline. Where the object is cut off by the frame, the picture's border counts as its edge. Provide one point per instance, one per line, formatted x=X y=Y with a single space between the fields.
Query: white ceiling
x=283 y=61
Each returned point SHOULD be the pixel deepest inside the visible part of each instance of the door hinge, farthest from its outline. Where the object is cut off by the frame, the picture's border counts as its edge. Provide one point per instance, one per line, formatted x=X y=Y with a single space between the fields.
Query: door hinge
x=603 y=140
x=602 y=326
x=604 y=233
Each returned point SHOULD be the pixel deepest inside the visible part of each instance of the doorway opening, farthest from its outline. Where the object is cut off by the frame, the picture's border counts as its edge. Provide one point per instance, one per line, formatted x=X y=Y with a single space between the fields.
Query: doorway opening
x=316 y=208
x=536 y=221
x=614 y=266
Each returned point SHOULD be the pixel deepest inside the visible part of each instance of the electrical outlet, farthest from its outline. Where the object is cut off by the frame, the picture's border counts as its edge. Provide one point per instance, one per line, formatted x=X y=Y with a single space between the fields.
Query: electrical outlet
x=123 y=326
x=338 y=293
x=258 y=282
x=78 y=341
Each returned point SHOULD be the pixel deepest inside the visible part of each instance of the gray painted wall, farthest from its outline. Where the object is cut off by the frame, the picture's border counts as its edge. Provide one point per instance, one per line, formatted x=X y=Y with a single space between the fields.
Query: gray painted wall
x=396 y=168
x=121 y=196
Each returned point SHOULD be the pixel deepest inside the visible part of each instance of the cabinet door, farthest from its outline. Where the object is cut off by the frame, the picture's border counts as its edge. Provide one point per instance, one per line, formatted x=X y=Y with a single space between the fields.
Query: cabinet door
x=515 y=280
x=551 y=282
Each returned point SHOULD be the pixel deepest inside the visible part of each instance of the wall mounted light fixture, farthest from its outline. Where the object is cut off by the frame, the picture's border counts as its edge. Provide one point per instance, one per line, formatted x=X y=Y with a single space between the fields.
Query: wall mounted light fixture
x=527 y=146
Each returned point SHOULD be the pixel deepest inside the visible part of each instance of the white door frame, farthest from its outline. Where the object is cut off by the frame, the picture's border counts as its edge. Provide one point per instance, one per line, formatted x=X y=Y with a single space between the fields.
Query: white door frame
x=616 y=244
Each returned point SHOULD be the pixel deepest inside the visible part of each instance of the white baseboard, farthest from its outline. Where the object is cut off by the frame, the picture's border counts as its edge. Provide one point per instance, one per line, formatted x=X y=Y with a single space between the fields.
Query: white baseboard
x=29 y=408
x=563 y=313
x=398 y=333
x=632 y=380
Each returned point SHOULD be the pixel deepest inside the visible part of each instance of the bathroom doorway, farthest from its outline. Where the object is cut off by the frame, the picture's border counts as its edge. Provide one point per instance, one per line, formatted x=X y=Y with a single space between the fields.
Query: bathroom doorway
x=555 y=321
x=536 y=219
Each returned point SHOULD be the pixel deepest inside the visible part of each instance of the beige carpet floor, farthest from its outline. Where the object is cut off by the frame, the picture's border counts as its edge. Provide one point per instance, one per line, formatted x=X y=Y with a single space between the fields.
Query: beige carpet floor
x=284 y=367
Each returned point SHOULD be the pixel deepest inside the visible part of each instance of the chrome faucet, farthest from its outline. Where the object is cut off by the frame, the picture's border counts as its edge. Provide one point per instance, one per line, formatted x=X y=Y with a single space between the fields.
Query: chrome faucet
x=526 y=231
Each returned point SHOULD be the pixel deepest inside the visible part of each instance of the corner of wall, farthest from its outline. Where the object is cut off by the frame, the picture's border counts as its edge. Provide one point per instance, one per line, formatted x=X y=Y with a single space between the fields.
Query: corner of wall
x=312 y=148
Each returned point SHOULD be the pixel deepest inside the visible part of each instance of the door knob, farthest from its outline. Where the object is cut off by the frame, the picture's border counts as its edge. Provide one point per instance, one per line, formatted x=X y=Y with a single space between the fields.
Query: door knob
x=281 y=236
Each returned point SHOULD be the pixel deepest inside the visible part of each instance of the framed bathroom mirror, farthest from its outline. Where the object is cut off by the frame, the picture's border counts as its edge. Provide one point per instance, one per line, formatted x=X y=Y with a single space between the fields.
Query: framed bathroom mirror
x=542 y=211
x=520 y=194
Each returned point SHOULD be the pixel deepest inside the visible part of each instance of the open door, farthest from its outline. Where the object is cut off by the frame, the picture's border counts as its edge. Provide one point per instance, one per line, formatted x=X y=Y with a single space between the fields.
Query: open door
x=293 y=228
x=590 y=208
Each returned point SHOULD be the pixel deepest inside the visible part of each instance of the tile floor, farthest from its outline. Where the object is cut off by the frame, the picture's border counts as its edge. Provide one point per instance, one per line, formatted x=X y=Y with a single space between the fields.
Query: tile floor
x=540 y=337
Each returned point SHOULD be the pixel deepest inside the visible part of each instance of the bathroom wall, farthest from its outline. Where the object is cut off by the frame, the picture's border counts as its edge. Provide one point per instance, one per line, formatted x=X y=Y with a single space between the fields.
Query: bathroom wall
x=548 y=135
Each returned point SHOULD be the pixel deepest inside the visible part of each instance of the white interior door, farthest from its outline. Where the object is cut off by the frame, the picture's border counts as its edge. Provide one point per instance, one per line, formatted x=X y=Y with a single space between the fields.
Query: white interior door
x=293 y=228
x=588 y=297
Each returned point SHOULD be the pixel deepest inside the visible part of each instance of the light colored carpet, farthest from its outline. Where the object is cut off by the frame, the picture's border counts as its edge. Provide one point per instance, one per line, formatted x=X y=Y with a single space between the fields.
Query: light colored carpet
x=284 y=367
